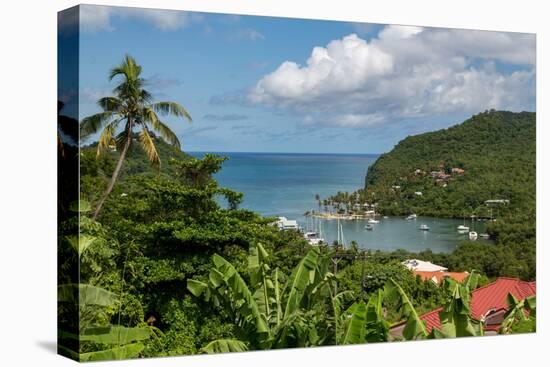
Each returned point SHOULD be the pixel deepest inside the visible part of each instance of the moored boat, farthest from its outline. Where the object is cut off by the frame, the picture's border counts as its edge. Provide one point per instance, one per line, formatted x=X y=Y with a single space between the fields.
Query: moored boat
x=424 y=227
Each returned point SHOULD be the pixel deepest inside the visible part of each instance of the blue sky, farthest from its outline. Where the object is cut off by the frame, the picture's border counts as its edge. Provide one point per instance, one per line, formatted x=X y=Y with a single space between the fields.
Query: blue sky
x=289 y=85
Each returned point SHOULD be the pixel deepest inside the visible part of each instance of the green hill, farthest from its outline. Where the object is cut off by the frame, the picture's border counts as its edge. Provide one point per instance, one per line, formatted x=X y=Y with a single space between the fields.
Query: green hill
x=136 y=161
x=495 y=150
x=95 y=172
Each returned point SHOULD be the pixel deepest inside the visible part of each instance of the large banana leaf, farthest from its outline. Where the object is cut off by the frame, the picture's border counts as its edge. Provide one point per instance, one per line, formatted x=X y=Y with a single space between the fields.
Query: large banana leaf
x=302 y=276
x=337 y=303
x=356 y=325
x=264 y=288
x=224 y=346
x=277 y=294
x=455 y=316
x=377 y=326
x=85 y=295
x=80 y=243
x=115 y=334
x=245 y=303
x=196 y=287
x=520 y=315
x=123 y=352
x=414 y=326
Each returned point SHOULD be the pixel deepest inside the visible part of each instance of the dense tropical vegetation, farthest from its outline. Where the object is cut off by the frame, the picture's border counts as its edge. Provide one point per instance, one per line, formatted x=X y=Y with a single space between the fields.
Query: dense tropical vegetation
x=493 y=157
x=173 y=265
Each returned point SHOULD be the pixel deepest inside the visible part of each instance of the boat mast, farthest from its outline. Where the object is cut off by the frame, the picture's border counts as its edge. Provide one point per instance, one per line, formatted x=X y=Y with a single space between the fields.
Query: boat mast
x=338 y=232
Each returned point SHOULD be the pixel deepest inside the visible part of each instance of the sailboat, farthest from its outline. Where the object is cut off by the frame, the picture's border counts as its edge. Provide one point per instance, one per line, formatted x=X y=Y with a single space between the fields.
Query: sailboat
x=463 y=228
x=473 y=234
x=314 y=238
x=341 y=240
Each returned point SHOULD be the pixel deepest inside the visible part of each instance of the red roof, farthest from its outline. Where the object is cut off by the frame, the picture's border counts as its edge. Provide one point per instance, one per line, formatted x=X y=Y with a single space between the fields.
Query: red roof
x=491 y=297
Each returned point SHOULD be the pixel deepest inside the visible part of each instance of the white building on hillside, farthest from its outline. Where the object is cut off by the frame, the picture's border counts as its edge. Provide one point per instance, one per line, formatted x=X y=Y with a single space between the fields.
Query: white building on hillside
x=285 y=224
x=419 y=265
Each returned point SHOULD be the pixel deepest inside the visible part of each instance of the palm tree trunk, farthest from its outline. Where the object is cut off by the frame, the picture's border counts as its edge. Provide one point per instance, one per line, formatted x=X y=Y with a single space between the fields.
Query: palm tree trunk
x=114 y=177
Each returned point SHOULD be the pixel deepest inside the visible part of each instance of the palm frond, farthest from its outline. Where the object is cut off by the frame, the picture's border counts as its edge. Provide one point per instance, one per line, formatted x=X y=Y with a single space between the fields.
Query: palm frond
x=110 y=104
x=129 y=68
x=165 y=132
x=92 y=124
x=149 y=147
x=107 y=137
x=146 y=97
x=171 y=108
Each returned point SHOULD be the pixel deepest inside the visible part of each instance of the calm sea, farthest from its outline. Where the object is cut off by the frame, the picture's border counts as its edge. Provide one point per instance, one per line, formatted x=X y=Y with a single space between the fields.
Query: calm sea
x=285 y=184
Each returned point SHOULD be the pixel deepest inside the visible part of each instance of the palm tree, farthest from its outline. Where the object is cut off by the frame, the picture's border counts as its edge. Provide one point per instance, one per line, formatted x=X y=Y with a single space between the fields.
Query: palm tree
x=133 y=107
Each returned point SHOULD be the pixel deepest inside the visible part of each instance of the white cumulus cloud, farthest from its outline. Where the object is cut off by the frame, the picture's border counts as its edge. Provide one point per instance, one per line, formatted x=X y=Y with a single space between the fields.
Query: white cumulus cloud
x=343 y=66
x=404 y=72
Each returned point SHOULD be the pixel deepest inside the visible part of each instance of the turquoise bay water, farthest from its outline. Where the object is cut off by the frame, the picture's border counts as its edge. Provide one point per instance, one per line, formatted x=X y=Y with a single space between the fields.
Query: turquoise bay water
x=285 y=184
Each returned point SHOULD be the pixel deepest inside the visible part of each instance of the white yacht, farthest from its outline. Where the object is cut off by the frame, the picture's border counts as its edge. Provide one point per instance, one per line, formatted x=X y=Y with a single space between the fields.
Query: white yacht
x=424 y=227
x=463 y=228
x=313 y=238
x=373 y=221
x=412 y=216
x=484 y=235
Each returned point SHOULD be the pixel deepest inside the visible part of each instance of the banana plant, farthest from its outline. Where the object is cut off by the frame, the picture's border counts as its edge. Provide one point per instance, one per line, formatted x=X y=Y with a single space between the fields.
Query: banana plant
x=521 y=315
x=274 y=316
x=456 y=320
x=415 y=328
x=121 y=342
x=95 y=339
x=364 y=322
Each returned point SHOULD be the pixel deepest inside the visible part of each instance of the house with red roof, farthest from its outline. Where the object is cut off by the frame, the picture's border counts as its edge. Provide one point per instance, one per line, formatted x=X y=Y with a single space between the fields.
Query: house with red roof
x=488 y=304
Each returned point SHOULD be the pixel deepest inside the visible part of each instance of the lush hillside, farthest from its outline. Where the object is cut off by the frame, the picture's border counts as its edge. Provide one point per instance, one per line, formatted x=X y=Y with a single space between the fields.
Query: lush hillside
x=493 y=156
x=135 y=163
x=96 y=170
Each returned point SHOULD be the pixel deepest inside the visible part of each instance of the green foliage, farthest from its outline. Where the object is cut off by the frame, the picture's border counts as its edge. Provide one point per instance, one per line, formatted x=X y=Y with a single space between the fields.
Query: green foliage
x=356 y=325
x=224 y=346
x=521 y=316
x=496 y=149
x=258 y=308
x=456 y=320
x=414 y=326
